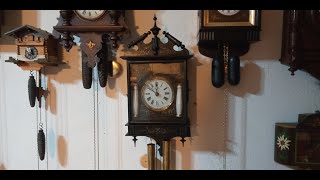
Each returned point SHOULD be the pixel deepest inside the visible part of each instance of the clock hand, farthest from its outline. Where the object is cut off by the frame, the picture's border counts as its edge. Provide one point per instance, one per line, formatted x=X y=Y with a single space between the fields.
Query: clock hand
x=156 y=86
x=151 y=89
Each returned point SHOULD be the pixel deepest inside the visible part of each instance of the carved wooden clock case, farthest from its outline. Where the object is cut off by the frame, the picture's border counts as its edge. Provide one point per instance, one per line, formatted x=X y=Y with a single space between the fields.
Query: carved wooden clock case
x=225 y=35
x=157 y=88
x=95 y=29
x=300 y=41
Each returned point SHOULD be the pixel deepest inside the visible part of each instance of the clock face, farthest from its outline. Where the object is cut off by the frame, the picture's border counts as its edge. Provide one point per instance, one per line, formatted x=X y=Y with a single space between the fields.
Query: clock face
x=31 y=52
x=90 y=14
x=228 y=12
x=157 y=94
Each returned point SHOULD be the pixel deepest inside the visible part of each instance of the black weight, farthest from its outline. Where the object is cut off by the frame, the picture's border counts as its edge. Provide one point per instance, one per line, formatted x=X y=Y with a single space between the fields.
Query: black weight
x=86 y=75
x=102 y=73
x=41 y=144
x=234 y=70
x=32 y=91
x=217 y=71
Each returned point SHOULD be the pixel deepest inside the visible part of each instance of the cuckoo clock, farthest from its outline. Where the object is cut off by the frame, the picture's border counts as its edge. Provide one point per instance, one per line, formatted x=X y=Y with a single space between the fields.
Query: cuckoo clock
x=157 y=88
x=225 y=35
x=95 y=28
x=298 y=144
x=36 y=48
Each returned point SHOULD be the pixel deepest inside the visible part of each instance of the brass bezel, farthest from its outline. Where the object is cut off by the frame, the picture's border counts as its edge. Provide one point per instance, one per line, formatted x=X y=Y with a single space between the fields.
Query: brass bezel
x=144 y=87
x=251 y=21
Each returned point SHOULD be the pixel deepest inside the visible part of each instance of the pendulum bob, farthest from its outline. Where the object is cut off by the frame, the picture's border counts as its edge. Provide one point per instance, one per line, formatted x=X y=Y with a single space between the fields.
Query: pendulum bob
x=151 y=157
x=166 y=155
x=41 y=144
x=32 y=90
x=102 y=73
x=234 y=70
x=86 y=75
x=217 y=71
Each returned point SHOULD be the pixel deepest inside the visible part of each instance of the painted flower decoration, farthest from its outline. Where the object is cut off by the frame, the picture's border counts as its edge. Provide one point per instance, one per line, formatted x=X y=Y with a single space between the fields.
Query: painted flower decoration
x=283 y=142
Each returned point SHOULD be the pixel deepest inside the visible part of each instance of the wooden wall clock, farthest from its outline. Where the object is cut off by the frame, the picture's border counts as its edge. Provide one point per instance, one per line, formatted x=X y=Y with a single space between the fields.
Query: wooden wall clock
x=300 y=41
x=157 y=89
x=95 y=28
x=225 y=35
x=36 y=49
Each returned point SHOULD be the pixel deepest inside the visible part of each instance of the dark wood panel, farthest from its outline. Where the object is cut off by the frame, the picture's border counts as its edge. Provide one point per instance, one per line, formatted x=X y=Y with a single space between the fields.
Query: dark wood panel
x=301 y=41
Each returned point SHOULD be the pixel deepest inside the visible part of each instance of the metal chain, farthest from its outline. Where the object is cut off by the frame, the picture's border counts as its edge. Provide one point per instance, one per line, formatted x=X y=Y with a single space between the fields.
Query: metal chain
x=226 y=109
x=225 y=58
x=37 y=119
x=97 y=119
x=94 y=129
x=46 y=121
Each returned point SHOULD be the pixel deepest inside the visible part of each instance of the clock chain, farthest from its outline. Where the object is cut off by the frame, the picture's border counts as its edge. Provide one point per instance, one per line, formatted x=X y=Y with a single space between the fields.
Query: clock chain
x=94 y=129
x=46 y=121
x=226 y=108
x=96 y=123
x=40 y=123
x=37 y=121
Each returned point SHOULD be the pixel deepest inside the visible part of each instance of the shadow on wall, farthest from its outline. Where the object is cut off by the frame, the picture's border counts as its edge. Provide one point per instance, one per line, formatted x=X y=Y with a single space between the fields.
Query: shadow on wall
x=207 y=108
x=12 y=20
x=133 y=33
x=69 y=73
x=62 y=151
x=2 y=167
x=251 y=81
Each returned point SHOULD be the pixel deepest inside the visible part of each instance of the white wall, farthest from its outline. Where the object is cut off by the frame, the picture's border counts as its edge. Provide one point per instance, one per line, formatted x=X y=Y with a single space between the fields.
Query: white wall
x=80 y=138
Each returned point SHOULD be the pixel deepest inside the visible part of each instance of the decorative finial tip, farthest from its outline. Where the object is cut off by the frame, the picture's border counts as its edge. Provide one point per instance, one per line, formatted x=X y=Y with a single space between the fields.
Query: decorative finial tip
x=154 y=17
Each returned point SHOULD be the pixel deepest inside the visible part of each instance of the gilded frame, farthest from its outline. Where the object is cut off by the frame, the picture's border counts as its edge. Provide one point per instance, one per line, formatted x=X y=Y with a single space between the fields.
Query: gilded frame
x=250 y=21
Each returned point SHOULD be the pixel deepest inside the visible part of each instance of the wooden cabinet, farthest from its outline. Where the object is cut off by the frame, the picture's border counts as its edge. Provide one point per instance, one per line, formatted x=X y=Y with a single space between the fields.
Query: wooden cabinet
x=298 y=144
x=301 y=41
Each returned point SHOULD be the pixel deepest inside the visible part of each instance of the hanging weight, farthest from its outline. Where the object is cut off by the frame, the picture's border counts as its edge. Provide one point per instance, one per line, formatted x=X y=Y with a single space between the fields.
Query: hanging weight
x=41 y=144
x=86 y=75
x=234 y=70
x=217 y=71
x=102 y=73
x=103 y=63
x=32 y=90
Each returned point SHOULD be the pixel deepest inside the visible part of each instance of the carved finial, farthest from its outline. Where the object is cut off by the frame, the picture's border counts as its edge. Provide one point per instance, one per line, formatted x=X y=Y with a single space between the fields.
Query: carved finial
x=155 y=29
x=183 y=141
x=134 y=140
x=292 y=70
x=155 y=40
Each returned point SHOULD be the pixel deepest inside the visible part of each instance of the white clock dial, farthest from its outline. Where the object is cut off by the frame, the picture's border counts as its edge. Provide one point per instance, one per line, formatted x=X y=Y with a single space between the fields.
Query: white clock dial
x=157 y=94
x=228 y=12
x=90 y=14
